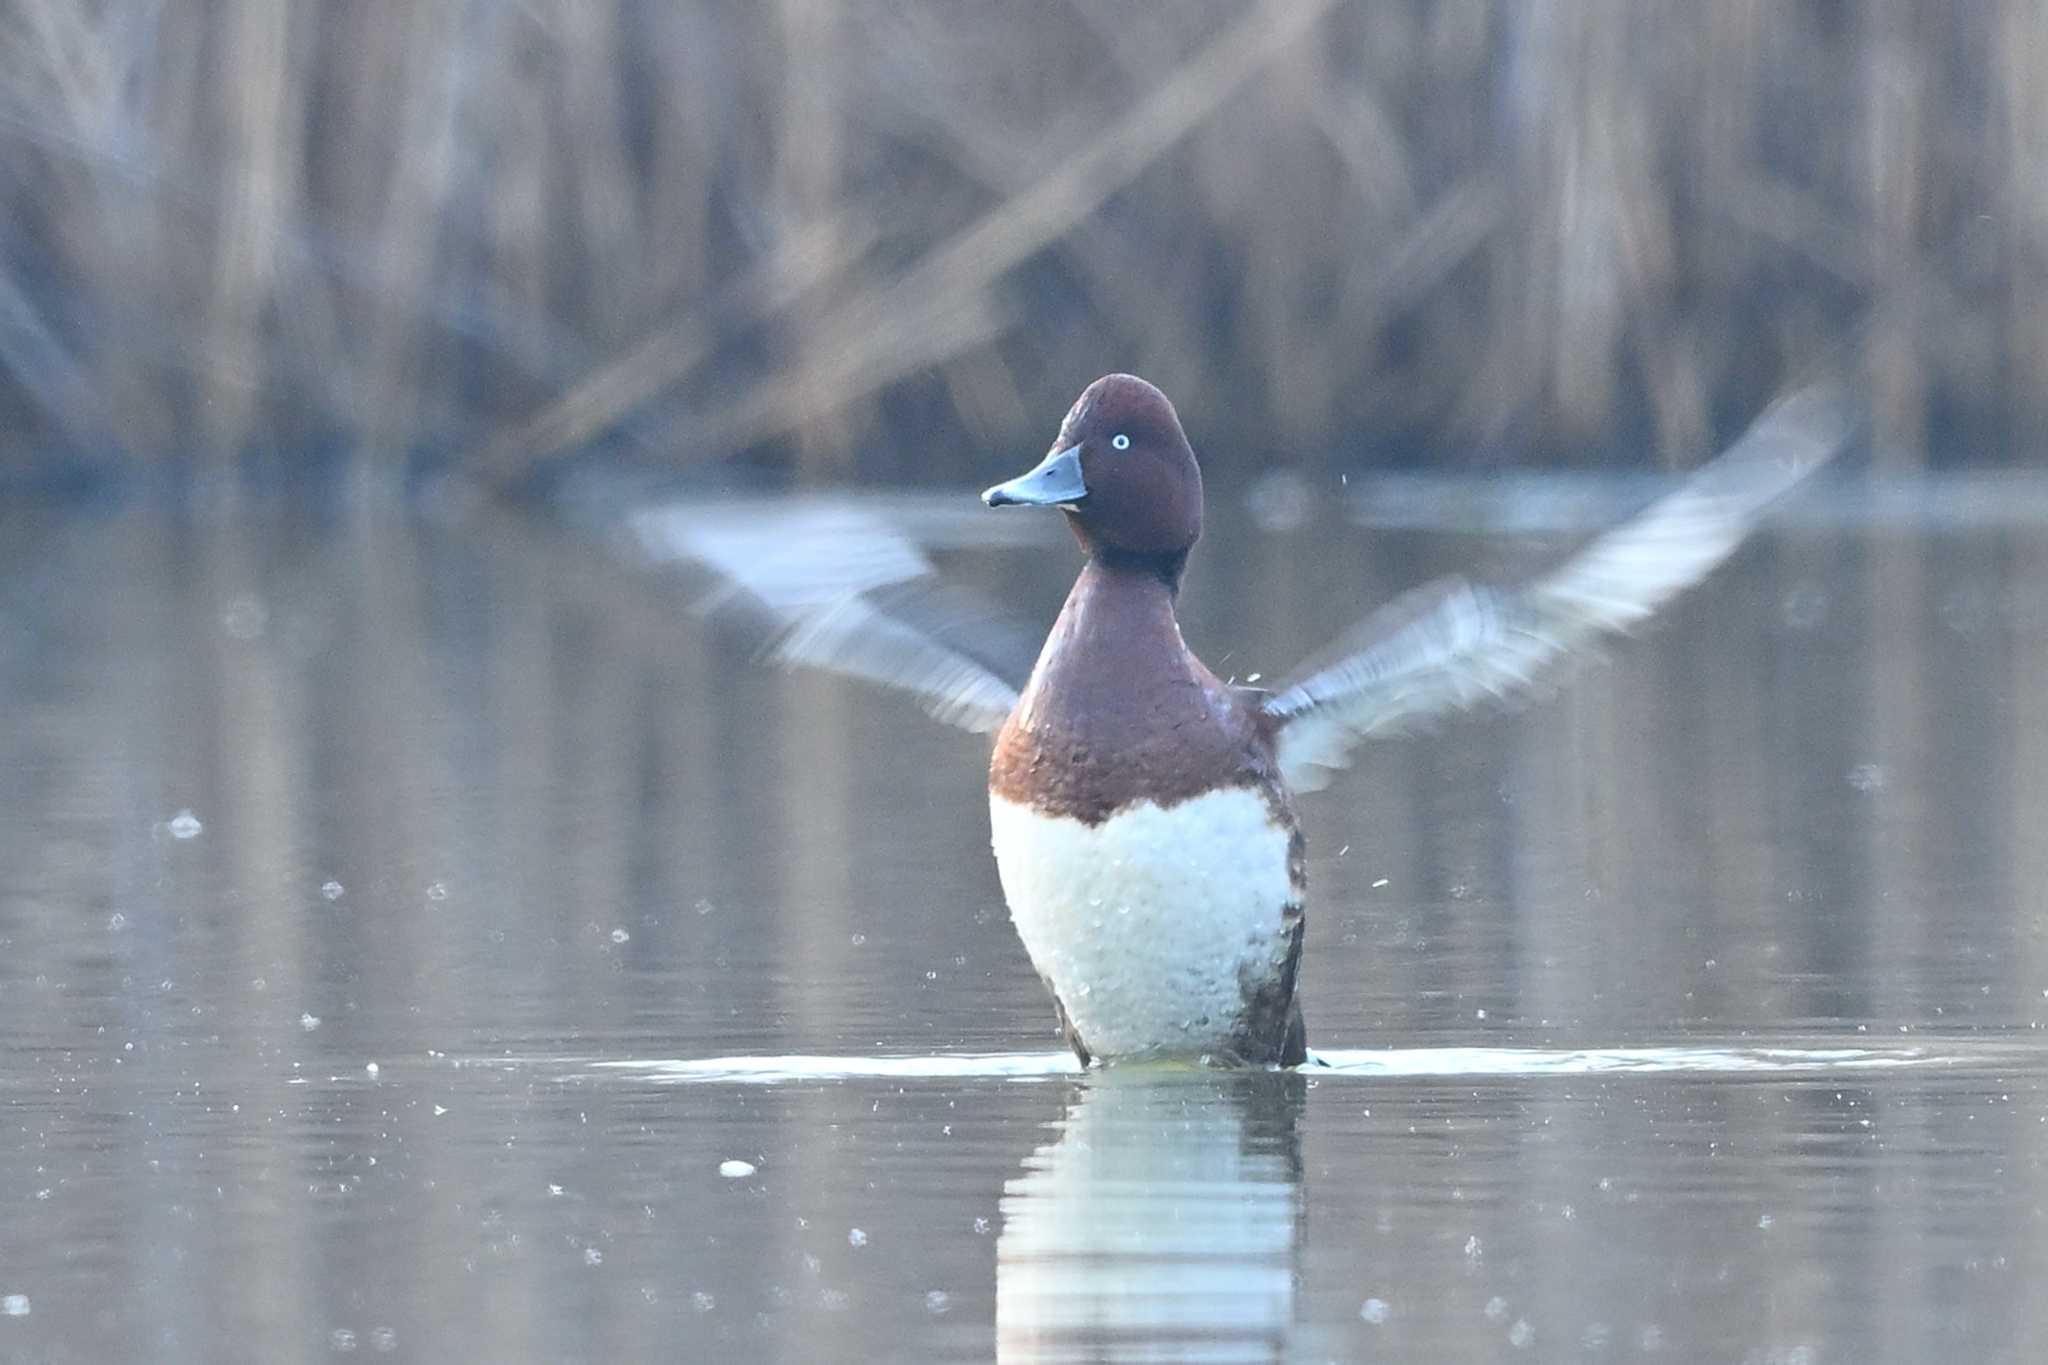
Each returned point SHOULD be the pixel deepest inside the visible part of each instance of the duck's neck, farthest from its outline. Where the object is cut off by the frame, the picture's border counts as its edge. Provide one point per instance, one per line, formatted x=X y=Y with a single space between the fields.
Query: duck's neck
x=1167 y=568
x=1116 y=646
x=1164 y=565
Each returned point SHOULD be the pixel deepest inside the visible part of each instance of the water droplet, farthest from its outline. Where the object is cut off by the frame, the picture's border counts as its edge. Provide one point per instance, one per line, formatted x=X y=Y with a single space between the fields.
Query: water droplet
x=735 y=1169
x=309 y=1022
x=1373 y=1311
x=703 y=1302
x=331 y=890
x=592 y=1256
x=937 y=1302
x=244 y=618
x=341 y=1341
x=384 y=1339
x=437 y=891
x=981 y=1227
x=856 y=1238
x=1805 y=607
x=116 y=922
x=1496 y=1306
x=14 y=1305
x=185 y=825
x=370 y=1069
x=1279 y=501
x=1521 y=1334
x=620 y=936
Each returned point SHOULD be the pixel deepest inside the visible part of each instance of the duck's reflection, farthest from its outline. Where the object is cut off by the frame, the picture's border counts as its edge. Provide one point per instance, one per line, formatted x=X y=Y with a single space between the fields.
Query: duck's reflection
x=1162 y=1224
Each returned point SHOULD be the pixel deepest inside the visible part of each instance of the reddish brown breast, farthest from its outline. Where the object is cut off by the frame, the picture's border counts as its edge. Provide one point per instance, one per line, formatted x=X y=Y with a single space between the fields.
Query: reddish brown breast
x=1118 y=710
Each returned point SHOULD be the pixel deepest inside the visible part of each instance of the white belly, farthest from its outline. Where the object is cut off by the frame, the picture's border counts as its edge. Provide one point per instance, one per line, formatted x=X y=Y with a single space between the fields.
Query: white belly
x=1150 y=926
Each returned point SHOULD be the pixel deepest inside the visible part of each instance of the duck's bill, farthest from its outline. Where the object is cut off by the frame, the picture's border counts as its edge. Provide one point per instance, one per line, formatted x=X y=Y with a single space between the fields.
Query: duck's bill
x=1057 y=482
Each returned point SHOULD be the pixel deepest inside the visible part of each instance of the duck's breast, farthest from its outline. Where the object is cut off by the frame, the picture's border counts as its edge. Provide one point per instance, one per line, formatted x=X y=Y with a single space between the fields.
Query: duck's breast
x=1155 y=924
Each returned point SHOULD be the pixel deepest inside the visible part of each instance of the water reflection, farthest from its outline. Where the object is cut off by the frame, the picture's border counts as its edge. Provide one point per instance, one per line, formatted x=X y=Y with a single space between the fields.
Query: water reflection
x=1697 y=1011
x=1163 y=1223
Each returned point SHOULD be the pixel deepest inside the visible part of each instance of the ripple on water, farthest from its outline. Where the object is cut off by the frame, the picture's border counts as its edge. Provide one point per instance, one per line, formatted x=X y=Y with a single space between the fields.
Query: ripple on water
x=1336 y=1064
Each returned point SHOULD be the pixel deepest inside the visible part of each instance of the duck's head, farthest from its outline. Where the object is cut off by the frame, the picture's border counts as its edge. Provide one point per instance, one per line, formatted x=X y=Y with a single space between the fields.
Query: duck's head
x=1123 y=472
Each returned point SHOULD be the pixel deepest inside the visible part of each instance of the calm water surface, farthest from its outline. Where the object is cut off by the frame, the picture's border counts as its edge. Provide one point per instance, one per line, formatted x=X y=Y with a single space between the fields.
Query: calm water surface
x=426 y=942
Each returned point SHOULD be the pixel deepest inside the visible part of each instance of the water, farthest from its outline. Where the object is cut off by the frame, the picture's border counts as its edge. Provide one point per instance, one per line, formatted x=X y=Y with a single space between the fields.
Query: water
x=423 y=942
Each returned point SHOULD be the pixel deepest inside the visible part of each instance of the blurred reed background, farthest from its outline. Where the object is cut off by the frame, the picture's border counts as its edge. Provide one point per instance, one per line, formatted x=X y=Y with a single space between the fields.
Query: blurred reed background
x=251 y=231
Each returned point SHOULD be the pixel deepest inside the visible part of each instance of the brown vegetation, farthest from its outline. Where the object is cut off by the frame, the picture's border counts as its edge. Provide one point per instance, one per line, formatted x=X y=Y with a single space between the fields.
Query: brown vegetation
x=895 y=238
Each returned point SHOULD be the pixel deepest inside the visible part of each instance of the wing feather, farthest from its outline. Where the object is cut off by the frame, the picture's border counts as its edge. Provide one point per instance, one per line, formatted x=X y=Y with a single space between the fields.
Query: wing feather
x=838 y=586
x=1453 y=644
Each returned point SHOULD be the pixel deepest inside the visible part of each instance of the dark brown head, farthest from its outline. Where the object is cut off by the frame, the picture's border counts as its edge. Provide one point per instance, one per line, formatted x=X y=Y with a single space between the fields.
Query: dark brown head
x=1124 y=473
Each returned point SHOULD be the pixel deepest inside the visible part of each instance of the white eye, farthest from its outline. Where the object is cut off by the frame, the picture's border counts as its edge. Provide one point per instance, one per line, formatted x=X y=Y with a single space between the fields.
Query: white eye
x=1120 y=441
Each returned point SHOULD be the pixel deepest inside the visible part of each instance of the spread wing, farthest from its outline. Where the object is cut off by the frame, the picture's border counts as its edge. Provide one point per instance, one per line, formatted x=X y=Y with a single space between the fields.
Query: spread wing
x=843 y=587
x=1455 y=644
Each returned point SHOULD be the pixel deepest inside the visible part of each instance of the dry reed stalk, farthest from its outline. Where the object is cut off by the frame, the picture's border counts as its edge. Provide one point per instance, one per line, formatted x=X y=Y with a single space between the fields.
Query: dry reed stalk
x=2023 y=204
x=256 y=123
x=609 y=394
x=255 y=224
x=938 y=309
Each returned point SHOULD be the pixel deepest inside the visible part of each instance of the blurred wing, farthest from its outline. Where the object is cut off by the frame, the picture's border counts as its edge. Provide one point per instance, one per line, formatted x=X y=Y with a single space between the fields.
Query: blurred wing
x=1454 y=644
x=837 y=586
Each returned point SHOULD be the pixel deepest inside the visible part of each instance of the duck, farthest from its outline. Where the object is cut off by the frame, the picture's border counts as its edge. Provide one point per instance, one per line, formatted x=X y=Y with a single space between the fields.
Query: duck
x=1142 y=809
